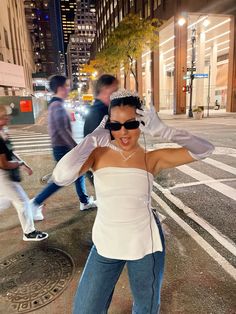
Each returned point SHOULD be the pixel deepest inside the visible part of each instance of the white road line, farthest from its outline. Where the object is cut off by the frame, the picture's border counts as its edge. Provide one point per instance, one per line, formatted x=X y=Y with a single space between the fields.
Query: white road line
x=220 y=165
x=28 y=142
x=34 y=150
x=222 y=239
x=24 y=133
x=217 y=186
x=183 y=185
x=27 y=136
x=203 y=243
x=31 y=145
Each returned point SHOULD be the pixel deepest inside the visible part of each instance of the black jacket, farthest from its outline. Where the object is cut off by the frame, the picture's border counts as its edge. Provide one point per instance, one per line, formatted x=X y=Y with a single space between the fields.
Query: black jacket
x=96 y=113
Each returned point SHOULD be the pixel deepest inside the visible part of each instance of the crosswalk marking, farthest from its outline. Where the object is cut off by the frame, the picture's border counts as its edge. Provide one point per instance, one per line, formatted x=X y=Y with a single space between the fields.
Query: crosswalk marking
x=29 y=142
x=31 y=145
x=184 y=185
x=220 y=165
x=217 y=186
x=222 y=239
x=203 y=243
x=29 y=136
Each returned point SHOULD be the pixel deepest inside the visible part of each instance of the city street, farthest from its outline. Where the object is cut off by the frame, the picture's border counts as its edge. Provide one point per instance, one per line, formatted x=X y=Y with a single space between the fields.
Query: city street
x=62 y=62
x=198 y=201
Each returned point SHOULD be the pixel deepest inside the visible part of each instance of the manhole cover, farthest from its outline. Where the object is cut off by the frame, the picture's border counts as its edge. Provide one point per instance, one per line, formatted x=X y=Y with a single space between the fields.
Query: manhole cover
x=34 y=278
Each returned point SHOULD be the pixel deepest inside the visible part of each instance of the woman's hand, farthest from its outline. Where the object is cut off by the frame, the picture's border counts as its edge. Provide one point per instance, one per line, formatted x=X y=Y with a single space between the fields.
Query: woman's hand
x=102 y=136
x=27 y=169
x=152 y=124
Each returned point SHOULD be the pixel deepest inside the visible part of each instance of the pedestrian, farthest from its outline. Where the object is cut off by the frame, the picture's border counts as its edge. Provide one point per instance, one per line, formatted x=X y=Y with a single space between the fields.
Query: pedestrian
x=62 y=141
x=11 y=192
x=217 y=105
x=126 y=231
x=104 y=87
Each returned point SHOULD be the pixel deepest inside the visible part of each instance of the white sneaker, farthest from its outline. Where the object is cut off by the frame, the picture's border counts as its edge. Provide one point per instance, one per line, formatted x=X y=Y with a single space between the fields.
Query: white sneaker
x=91 y=204
x=36 y=211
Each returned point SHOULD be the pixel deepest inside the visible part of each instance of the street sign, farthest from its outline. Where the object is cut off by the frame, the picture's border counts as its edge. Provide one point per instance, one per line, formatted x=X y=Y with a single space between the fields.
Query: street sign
x=191 y=69
x=200 y=75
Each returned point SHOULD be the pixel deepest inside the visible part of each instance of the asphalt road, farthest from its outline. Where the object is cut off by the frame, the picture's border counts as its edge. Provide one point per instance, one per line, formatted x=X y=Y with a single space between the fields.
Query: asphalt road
x=198 y=201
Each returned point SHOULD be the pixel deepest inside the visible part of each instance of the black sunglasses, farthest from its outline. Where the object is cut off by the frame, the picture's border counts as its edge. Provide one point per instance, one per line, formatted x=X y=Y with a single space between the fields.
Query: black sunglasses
x=116 y=126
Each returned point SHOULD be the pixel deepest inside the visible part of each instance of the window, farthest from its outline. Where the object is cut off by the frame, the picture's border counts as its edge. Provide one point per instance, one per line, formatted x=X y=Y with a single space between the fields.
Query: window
x=6 y=38
x=116 y=21
x=120 y=15
x=155 y=4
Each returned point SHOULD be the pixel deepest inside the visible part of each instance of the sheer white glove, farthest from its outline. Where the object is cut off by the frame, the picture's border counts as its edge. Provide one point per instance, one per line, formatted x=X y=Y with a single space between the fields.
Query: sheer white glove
x=153 y=124
x=198 y=147
x=68 y=168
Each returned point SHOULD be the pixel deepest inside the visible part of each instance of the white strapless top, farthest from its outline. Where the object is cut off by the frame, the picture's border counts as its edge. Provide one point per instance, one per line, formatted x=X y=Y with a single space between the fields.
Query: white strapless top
x=124 y=227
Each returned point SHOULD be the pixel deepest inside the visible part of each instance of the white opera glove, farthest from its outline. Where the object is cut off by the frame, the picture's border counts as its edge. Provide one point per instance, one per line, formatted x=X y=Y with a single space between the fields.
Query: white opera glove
x=197 y=147
x=68 y=168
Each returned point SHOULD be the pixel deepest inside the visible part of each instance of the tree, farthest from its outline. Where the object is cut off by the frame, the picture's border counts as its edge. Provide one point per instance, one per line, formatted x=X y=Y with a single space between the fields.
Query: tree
x=126 y=44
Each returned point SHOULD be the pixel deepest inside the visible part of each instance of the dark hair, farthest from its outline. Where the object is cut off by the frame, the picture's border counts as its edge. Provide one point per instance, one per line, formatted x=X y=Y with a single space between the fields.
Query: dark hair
x=104 y=80
x=56 y=81
x=131 y=101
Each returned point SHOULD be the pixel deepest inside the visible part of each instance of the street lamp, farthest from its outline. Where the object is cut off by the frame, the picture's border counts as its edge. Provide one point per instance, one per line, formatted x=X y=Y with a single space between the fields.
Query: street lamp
x=193 y=63
x=181 y=21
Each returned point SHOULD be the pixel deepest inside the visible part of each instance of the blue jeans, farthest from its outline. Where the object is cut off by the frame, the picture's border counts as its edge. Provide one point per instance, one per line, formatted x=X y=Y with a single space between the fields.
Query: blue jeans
x=51 y=188
x=101 y=274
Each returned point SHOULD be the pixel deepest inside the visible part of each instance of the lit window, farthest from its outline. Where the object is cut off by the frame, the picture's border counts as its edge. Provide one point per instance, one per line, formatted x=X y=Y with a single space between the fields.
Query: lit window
x=120 y=15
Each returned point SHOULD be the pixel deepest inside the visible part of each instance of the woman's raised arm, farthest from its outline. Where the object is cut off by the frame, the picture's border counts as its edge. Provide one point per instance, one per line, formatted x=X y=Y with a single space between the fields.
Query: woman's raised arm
x=194 y=147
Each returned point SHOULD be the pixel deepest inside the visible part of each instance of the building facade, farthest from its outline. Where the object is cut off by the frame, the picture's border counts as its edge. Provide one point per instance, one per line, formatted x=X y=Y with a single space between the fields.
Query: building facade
x=16 y=57
x=197 y=40
x=78 y=50
x=40 y=20
x=68 y=13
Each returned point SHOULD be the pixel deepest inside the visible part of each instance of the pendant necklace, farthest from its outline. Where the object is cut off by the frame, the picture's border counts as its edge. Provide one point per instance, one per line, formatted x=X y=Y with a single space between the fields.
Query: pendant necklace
x=128 y=157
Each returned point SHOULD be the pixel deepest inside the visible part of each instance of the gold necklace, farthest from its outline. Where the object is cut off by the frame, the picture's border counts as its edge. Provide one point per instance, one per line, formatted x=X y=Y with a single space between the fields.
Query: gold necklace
x=128 y=157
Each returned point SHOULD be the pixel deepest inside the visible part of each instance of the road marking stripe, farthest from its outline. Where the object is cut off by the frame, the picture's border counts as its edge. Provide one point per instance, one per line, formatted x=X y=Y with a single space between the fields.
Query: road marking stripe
x=34 y=142
x=217 y=186
x=27 y=136
x=31 y=145
x=183 y=185
x=220 y=165
x=203 y=243
x=222 y=239
x=33 y=150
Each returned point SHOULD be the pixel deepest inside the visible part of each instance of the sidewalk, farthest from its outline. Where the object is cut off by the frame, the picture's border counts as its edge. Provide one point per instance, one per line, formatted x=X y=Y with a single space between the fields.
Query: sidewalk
x=193 y=284
x=41 y=124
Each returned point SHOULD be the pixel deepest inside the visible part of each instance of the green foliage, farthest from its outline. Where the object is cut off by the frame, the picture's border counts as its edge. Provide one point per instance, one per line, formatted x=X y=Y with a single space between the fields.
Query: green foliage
x=126 y=43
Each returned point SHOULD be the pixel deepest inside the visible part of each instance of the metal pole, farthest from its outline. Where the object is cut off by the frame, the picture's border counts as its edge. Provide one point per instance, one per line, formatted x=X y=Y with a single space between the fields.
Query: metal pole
x=208 y=96
x=193 y=39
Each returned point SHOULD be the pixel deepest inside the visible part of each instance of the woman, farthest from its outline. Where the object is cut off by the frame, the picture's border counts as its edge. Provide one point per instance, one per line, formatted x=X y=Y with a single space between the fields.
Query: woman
x=125 y=229
x=10 y=189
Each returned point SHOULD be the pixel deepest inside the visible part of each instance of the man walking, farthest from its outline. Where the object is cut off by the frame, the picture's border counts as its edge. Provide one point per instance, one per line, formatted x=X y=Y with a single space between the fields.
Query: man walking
x=105 y=86
x=62 y=142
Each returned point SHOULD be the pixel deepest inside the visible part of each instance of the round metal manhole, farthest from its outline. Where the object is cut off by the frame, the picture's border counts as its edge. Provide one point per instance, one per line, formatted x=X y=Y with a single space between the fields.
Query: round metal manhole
x=34 y=278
